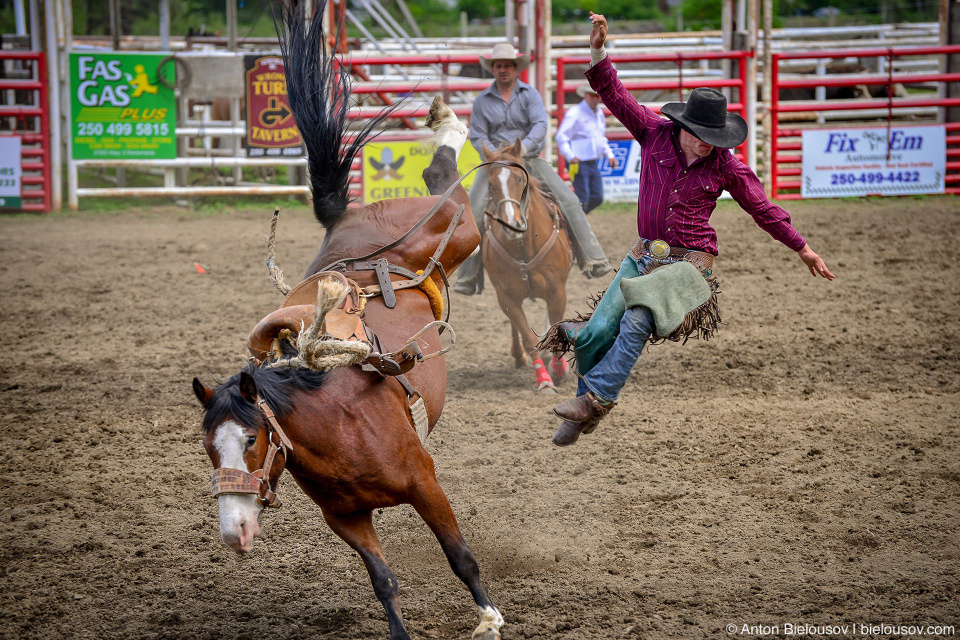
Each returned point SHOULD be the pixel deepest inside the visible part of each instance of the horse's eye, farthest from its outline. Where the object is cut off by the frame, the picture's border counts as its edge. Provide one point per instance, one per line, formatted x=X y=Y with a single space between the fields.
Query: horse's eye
x=251 y=440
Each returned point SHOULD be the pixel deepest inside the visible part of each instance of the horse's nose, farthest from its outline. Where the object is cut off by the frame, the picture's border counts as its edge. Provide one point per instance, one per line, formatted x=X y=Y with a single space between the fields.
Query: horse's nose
x=239 y=521
x=241 y=539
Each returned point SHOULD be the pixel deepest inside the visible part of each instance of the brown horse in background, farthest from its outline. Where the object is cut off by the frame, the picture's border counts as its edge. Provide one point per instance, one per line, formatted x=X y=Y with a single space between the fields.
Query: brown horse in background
x=349 y=434
x=527 y=254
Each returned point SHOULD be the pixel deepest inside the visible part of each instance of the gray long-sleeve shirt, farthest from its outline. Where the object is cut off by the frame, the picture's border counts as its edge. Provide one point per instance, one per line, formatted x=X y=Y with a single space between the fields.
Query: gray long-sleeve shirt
x=495 y=123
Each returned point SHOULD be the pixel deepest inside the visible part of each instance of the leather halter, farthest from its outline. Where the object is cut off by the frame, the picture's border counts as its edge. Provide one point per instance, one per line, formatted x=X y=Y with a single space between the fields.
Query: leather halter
x=524 y=266
x=522 y=203
x=259 y=483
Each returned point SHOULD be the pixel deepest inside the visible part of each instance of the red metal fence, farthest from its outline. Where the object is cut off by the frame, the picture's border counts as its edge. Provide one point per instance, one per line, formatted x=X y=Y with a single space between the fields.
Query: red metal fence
x=786 y=146
x=388 y=93
x=738 y=102
x=31 y=117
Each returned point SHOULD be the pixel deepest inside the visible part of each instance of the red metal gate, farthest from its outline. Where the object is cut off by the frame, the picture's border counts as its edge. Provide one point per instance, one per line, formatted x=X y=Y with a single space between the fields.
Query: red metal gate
x=32 y=125
x=389 y=93
x=785 y=143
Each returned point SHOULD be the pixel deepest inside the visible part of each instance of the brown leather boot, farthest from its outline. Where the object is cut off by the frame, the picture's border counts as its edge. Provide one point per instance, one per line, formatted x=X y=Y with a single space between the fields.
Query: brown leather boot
x=583 y=408
x=568 y=432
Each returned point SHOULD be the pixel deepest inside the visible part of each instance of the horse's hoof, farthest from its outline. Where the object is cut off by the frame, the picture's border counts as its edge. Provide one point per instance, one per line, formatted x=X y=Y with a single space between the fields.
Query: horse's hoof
x=490 y=622
x=546 y=387
x=439 y=112
x=558 y=368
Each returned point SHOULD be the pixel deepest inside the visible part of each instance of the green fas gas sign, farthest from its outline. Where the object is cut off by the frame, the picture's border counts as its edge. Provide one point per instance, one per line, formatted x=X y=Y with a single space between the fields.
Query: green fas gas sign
x=121 y=109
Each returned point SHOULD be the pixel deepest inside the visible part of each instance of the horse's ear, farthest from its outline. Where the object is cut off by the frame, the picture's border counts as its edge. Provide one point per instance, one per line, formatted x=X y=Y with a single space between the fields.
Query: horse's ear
x=203 y=394
x=518 y=148
x=487 y=154
x=248 y=387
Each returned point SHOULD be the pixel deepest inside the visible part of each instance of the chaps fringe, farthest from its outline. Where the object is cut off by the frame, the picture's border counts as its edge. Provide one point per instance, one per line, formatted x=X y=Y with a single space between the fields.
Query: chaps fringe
x=701 y=323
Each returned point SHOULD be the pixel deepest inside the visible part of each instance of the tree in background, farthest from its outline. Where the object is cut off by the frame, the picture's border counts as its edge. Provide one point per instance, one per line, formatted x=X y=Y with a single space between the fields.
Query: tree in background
x=439 y=17
x=572 y=10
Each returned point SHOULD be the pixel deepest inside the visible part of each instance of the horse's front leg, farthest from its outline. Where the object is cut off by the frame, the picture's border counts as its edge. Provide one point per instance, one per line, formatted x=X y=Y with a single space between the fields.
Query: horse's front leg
x=516 y=349
x=357 y=531
x=556 y=305
x=528 y=339
x=432 y=505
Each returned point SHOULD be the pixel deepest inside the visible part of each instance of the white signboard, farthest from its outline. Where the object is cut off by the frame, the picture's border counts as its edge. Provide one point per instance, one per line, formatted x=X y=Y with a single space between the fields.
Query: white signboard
x=623 y=183
x=875 y=161
x=10 y=172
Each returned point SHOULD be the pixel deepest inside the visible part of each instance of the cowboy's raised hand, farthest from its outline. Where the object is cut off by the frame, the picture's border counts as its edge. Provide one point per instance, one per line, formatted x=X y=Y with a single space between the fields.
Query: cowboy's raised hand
x=599 y=33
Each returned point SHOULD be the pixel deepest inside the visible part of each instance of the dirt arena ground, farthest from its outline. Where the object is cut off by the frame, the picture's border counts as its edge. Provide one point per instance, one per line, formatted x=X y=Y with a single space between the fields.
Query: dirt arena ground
x=803 y=468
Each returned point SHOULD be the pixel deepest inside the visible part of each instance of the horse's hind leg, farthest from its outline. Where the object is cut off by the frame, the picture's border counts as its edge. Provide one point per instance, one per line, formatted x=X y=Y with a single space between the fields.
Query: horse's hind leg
x=442 y=171
x=528 y=340
x=432 y=505
x=516 y=350
x=449 y=136
x=358 y=532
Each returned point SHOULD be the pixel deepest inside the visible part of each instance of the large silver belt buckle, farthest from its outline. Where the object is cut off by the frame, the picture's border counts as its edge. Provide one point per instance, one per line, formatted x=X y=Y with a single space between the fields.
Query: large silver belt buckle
x=659 y=249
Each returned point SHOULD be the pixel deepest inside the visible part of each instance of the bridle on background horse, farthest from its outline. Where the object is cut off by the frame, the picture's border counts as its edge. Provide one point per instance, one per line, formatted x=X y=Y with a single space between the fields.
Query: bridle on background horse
x=524 y=266
x=522 y=203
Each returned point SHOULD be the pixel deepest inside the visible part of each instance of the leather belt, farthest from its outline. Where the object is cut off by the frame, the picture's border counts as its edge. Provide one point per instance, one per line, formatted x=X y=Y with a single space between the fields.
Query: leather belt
x=661 y=251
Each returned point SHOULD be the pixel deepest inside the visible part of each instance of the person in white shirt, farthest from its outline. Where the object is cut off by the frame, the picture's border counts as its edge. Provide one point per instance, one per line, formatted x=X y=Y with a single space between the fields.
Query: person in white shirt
x=581 y=139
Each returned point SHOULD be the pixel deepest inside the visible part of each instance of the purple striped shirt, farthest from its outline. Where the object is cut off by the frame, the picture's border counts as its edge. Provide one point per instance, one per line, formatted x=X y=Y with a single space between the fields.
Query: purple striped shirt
x=676 y=200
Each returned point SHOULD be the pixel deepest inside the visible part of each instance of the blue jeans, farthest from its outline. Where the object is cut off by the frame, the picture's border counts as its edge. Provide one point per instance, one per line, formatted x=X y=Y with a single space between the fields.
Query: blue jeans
x=608 y=376
x=593 y=341
x=588 y=185
x=609 y=345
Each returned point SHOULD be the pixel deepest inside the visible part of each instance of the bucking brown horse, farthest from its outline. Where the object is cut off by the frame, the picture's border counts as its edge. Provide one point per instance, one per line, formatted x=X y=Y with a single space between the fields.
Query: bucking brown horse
x=349 y=369
x=526 y=253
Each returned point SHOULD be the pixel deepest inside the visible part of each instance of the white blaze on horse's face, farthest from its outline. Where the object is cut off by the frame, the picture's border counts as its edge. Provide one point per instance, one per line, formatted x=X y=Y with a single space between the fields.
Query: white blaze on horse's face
x=239 y=514
x=508 y=210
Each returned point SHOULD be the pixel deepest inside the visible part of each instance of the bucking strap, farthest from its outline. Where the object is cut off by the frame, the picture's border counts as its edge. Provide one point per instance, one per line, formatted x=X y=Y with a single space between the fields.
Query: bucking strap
x=386 y=286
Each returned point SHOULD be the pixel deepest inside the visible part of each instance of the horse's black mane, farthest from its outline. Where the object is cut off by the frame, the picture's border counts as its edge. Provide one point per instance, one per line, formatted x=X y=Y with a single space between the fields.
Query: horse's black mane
x=276 y=387
x=319 y=91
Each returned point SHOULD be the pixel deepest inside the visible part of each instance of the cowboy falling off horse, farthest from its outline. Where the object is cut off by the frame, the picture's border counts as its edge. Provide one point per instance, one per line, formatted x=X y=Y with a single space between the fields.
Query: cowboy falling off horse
x=666 y=287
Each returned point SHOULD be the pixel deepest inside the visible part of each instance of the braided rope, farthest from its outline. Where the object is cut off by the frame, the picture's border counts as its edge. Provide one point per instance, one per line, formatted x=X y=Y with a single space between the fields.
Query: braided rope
x=321 y=352
x=276 y=275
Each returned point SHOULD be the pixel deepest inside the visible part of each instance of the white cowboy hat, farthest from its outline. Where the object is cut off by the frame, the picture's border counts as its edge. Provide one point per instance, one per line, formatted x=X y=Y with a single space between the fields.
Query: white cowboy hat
x=584 y=89
x=505 y=51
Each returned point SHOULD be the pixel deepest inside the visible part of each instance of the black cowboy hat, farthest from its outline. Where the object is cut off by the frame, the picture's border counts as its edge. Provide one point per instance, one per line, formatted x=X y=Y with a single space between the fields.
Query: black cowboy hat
x=704 y=115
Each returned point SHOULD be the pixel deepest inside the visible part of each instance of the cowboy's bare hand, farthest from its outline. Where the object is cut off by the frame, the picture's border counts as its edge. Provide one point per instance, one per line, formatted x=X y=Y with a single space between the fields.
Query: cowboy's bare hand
x=613 y=163
x=814 y=263
x=599 y=33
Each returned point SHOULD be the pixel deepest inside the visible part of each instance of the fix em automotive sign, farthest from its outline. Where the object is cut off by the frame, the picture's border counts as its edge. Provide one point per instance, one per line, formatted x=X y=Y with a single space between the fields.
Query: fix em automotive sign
x=120 y=108
x=874 y=161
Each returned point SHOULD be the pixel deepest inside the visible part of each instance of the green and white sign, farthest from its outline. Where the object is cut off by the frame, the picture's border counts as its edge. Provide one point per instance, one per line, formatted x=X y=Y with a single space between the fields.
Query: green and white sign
x=10 y=172
x=120 y=108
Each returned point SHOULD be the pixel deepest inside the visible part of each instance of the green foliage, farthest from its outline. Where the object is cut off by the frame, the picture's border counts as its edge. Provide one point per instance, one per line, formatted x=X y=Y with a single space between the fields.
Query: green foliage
x=481 y=9
x=701 y=15
x=572 y=10
x=434 y=17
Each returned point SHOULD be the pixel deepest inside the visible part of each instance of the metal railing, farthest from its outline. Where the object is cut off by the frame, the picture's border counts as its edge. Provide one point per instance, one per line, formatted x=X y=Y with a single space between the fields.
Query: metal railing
x=32 y=127
x=785 y=144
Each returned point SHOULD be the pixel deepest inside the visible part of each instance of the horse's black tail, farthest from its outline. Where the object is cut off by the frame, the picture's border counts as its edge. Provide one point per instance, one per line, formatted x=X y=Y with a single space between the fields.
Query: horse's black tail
x=319 y=92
